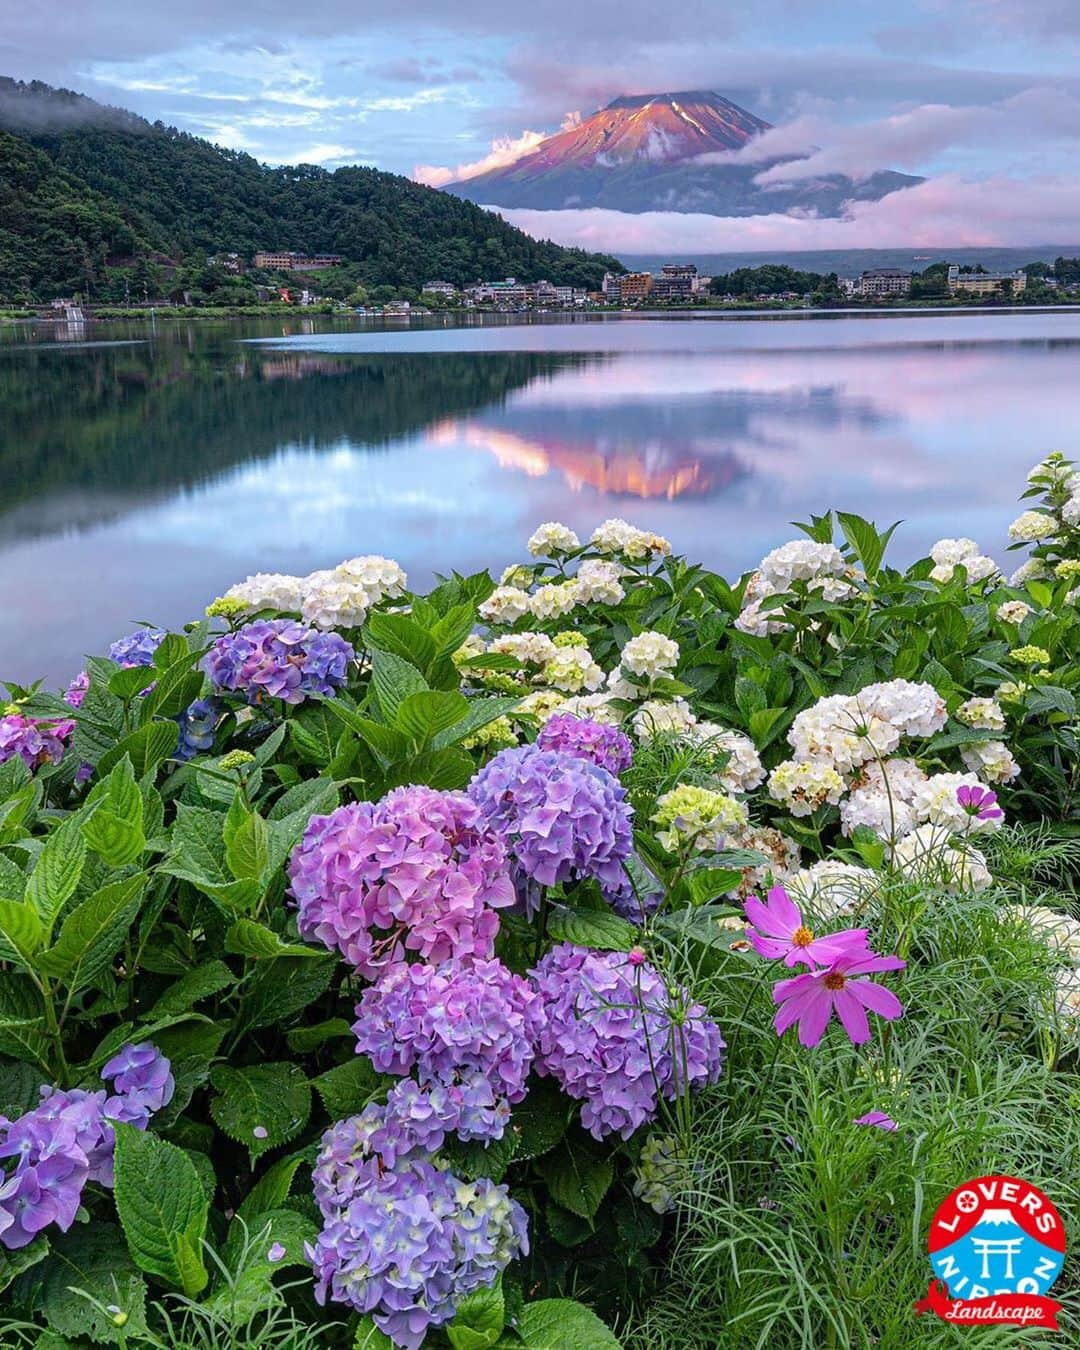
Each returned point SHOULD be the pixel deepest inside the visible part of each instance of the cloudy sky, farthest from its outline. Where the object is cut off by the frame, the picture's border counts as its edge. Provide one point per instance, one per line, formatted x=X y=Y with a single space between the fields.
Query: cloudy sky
x=980 y=96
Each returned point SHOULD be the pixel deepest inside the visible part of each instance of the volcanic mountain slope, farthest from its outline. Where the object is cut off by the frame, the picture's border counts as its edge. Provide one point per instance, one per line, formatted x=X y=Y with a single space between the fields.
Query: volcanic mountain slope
x=647 y=153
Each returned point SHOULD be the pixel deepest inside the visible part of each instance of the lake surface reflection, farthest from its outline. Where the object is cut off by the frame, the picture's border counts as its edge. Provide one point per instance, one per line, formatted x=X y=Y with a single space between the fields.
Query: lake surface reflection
x=148 y=468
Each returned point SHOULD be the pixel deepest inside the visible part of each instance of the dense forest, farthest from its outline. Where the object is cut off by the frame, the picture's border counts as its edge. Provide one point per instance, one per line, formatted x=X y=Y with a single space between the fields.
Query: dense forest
x=99 y=202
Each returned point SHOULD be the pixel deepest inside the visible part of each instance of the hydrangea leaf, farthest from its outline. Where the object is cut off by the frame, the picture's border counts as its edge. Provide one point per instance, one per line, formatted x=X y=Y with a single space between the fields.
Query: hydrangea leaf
x=163 y=1208
x=21 y=932
x=201 y=983
x=423 y=715
x=347 y=1089
x=93 y=932
x=283 y=986
x=261 y=1106
x=248 y=938
x=394 y=679
x=369 y=1337
x=586 y=928
x=540 y=1121
x=563 y=1324
x=12 y=1264
x=578 y=1176
x=479 y=1319
x=271 y=1190
x=146 y=748
x=59 y=869
x=87 y=1266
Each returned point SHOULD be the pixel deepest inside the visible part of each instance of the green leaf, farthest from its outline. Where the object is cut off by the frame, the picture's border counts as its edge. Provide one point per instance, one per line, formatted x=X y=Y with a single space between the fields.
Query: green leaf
x=369 y=1337
x=247 y=849
x=87 y=1266
x=868 y=545
x=19 y=1084
x=93 y=932
x=479 y=1319
x=283 y=986
x=347 y=1089
x=261 y=1106
x=131 y=680
x=59 y=869
x=203 y=982
x=163 y=1208
x=394 y=680
x=146 y=748
x=422 y=716
x=402 y=636
x=481 y=712
x=761 y=724
x=272 y=1189
x=21 y=1027
x=21 y=930
x=13 y=1263
x=303 y=1039
x=119 y=840
x=605 y=932
x=563 y=1324
x=446 y=770
x=539 y=1122
x=248 y=938
x=578 y=1176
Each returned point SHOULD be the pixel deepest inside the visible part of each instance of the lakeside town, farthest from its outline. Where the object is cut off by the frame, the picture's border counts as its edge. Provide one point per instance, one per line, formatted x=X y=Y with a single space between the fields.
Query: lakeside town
x=272 y=281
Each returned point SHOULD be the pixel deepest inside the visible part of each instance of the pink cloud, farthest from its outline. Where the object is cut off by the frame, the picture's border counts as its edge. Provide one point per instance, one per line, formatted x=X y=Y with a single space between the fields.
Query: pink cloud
x=945 y=211
x=505 y=150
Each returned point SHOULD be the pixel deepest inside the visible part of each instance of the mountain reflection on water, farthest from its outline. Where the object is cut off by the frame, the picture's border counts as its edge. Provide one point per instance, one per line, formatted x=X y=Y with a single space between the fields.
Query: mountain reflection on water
x=148 y=468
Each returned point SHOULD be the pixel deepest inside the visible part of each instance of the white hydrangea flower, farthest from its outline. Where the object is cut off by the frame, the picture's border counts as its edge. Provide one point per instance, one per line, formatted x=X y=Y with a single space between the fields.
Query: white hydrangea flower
x=800 y=560
x=552 y=539
x=1030 y=526
x=743 y=771
x=1067 y=994
x=985 y=714
x=655 y=718
x=1013 y=611
x=572 y=669
x=914 y=709
x=553 y=601
x=802 y=785
x=935 y=802
x=619 y=536
x=1070 y=512
x=517 y=574
x=697 y=816
x=541 y=704
x=474 y=645
x=991 y=760
x=977 y=567
x=889 y=819
x=645 y=545
x=595 y=707
x=830 y=887
x=532 y=649
x=620 y=687
x=898 y=778
x=1033 y=570
x=929 y=855
x=1060 y=932
x=269 y=590
x=332 y=600
x=757 y=622
x=650 y=654
x=598 y=583
x=783 y=858
x=949 y=552
x=840 y=729
x=659 y=1171
x=382 y=578
x=505 y=604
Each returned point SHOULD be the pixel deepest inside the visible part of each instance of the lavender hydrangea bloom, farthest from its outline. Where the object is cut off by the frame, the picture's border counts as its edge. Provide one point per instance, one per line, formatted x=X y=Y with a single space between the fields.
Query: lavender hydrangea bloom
x=76 y=690
x=598 y=743
x=563 y=818
x=278 y=658
x=616 y=1039
x=402 y=1239
x=138 y=648
x=67 y=1140
x=460 y=1026
x=35 y=742
x=197 y=723
x=418 y=871
x=142 y=1082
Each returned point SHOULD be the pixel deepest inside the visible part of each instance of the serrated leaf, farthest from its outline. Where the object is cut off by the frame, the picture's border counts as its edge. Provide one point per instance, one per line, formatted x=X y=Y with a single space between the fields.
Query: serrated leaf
x=59 y=869
x=394 y=679
x=540 y=1121
x=481 y=712
x=21 y=1033
x=369 y=1337
x=163 y=1208
x=93 y=932
x=145 y=747
x=247 y=850
x=13 y=1263
x=446 y=770
x=119 y=840
x=283 y=986
x=271 y=1190
x=563 y=1324
x=203 y=982
x=131 y=680
x=87 y=1271
x=422 y=716
x=261 y=1106
x=248 y=938
x=21 y=931
x=479 y=1319
x=347 y=1089
x=589 y=928
x=578 y=1176
x=303 y=1039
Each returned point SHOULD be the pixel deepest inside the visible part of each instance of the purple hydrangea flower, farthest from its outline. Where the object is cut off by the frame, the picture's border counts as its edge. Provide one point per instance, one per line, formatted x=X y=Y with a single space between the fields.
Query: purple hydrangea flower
x=34 y=741
x=197 y=724
x=460 y=1026
x=278 y=658
x=142 y=1083
x=599 y=744
x=563 y=818
x=138 y=648
x=615 y=1038
x=402 y=1239
x=418 y=871
x=76 y=690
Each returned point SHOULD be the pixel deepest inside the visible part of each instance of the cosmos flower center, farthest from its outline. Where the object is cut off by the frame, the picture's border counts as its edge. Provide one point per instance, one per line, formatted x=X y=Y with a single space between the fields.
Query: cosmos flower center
x=802 y=936
x=834 y=980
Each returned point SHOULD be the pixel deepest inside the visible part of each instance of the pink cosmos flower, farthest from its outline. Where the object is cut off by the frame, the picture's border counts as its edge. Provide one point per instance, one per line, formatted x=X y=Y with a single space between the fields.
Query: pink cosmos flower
x=784 y=934
x=812 y=998
x=979 y=802
x=878 y=1119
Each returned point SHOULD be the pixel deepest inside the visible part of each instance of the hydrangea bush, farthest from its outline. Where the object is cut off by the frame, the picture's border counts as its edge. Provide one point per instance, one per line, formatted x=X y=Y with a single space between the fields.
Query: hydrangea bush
x=381 y=961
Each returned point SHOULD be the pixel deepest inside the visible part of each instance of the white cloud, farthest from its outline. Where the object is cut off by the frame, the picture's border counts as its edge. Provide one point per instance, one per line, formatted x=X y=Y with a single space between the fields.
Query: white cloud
x=505 y=150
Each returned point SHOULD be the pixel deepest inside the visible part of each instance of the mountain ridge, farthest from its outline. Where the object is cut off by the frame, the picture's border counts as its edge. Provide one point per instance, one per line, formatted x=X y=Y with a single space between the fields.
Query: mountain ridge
x=647 y=152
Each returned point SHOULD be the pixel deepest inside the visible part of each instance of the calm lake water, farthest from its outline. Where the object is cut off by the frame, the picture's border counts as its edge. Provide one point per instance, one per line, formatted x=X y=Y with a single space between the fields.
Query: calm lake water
x=147 y=468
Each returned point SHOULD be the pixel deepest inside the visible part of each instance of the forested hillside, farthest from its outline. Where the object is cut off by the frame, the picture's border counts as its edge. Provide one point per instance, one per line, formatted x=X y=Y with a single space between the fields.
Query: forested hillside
x=87 y=192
